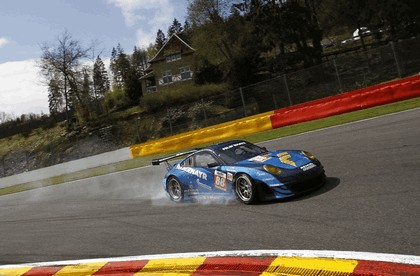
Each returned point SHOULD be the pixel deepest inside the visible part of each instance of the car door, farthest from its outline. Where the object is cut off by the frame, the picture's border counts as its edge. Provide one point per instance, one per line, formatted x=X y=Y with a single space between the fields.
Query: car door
x=212 y=179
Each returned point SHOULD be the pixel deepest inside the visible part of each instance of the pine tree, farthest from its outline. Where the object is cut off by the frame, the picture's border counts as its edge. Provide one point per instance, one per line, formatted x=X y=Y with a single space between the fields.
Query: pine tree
x=187 y=32
x=100 y=79
x=160 y=39
x=175 y=28
x=120 y=64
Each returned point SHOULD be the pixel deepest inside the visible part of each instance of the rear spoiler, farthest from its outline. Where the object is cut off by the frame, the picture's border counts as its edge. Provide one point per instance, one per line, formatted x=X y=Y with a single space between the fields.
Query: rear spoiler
x=156 y=162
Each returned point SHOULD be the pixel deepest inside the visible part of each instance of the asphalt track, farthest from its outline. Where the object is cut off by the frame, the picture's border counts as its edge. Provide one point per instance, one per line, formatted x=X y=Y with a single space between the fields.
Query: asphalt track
x=370 y=203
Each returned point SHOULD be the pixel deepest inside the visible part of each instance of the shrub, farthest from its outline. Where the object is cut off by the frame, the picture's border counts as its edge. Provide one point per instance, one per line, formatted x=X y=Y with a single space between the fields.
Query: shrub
x=116 y=98
x=181 y=94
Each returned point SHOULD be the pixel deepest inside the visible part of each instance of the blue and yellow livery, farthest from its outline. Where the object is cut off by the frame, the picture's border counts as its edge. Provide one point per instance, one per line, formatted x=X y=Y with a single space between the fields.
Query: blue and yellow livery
x=240 y=168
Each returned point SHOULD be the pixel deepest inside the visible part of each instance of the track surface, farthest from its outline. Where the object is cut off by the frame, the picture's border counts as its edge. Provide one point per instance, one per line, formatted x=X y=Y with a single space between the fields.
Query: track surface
x=371 y=203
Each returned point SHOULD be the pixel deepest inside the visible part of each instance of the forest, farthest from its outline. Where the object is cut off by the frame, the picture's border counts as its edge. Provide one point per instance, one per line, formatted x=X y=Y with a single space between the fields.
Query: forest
x=237 y=43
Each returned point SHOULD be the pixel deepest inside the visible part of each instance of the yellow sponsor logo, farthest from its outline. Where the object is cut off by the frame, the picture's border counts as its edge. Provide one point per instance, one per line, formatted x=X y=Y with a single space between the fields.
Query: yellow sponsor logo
x=285 y=158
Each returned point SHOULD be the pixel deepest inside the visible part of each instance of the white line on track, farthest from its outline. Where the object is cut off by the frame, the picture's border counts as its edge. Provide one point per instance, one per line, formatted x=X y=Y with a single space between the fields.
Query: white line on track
x=350 y=255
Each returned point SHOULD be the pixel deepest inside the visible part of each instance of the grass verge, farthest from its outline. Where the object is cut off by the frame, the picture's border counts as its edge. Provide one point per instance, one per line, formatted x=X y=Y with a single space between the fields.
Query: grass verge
x=255 y=138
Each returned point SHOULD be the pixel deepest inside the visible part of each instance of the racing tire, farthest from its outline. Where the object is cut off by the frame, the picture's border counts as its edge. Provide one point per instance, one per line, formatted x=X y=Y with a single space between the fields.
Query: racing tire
x=245 y=189
x=174 y=189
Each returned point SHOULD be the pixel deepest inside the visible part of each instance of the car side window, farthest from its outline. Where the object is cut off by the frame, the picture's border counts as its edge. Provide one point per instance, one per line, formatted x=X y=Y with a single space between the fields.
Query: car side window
x=189 y=162
x=203 y=159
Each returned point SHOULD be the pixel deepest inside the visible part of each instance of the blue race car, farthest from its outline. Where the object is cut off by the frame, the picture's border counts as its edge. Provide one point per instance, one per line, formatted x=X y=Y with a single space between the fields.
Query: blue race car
x=238 y=167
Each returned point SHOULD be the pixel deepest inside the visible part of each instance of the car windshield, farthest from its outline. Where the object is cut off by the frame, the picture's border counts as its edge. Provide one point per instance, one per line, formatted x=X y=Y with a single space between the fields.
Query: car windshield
x=241 y=151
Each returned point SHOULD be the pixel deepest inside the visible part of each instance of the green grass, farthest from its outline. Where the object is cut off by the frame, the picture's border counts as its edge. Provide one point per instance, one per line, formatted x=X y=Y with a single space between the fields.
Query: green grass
x=334 y=120
x=255 y=138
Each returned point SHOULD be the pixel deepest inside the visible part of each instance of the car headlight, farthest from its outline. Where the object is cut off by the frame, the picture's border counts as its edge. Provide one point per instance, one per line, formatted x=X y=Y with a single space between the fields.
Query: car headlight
x=309 y=155
x=272 y=169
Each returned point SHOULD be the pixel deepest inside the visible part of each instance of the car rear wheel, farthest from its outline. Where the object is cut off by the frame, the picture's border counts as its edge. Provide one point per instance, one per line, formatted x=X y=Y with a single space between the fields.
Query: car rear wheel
x=174 y=188
x=245 y=189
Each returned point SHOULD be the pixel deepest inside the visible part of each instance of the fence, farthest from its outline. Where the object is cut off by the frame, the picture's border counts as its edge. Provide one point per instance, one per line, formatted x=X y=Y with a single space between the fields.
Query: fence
x=347 y=72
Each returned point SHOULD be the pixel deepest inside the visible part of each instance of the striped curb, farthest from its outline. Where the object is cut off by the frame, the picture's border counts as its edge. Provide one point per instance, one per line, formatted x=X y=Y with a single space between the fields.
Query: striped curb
x=261 y=262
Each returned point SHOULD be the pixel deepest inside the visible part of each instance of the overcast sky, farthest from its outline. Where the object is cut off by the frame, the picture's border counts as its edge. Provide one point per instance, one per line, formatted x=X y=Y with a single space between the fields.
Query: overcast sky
x=27 y=24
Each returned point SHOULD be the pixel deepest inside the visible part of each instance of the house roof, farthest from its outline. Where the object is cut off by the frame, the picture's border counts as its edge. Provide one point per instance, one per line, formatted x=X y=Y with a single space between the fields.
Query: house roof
x=172 y=37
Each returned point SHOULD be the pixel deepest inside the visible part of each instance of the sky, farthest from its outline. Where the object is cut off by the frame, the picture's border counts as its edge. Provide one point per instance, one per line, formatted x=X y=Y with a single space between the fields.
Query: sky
x=25 y=25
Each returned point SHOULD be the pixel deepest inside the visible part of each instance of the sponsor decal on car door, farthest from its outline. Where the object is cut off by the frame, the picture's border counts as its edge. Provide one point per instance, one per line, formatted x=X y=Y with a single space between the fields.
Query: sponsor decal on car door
x=220 y=180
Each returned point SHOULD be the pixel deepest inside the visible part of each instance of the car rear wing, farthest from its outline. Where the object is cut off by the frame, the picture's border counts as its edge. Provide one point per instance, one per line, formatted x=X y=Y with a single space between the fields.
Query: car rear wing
x=159 y=161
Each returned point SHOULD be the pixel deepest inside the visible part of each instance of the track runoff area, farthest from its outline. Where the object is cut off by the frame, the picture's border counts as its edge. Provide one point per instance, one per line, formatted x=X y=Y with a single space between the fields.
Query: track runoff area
x=261 y=262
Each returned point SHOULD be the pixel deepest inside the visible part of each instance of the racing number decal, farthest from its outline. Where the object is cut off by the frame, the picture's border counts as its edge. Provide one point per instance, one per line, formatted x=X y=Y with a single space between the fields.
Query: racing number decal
x=285 y=158
x=220 y=180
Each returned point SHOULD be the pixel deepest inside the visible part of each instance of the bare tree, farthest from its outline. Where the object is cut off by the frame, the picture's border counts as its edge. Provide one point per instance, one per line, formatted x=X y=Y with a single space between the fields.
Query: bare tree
x=62 y=61
x=6 y=117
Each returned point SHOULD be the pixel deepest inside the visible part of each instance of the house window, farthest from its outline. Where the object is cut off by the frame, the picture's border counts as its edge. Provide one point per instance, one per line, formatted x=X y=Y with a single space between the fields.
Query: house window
x=173 y=57
x=167 y=76
x=185 y=73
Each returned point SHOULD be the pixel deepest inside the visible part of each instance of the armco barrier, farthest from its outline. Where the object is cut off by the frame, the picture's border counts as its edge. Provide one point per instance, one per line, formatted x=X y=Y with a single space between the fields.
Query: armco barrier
x=232 y=263
x=245 y=126
x=364 y=98
x=67 y=167
x=347 y=102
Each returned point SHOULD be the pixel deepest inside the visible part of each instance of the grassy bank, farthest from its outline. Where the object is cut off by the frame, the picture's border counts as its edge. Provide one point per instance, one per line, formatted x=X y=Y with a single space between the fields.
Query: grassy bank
x=259 y=137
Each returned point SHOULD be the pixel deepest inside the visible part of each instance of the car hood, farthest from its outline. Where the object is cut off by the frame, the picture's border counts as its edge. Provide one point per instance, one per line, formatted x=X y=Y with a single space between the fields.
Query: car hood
x=284 y=159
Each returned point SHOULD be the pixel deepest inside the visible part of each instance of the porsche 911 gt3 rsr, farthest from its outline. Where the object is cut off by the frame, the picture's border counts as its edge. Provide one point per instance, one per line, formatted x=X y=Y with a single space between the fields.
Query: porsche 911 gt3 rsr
x=250 y=172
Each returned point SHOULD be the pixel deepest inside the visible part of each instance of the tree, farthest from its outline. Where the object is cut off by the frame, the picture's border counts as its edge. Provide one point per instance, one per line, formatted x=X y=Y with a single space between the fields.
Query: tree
x=400 y=18
x=298 y=28
x=160 y=40
x=397 y=18
x=55 y=97
x=288 y=26
x=201 y=12
x=139 y=60
x=101 y=82
x=127 y=71
x=61 y=62
x=151 y=51
x=206 y=19
x=6 y=117
x=120 y=64
x=87 y=91
x=175 y=28
x=187 y=32
x=132 y=86
x=231 y=52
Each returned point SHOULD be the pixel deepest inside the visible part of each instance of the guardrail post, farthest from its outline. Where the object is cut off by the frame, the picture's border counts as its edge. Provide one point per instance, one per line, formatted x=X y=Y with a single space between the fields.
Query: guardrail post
x=138 y=129
x=275 y=102
x=340 y=87
x=243 y=100
x=287 y=89
x=3 y=166
x=396 y=59
x=204 y=112
x=78 y=147
x=169 y=119
x=26 y=161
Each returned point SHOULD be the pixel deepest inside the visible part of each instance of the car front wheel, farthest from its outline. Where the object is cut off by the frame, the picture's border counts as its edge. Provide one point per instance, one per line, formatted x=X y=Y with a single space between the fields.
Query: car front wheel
x=174 y=188
x=245 y=189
